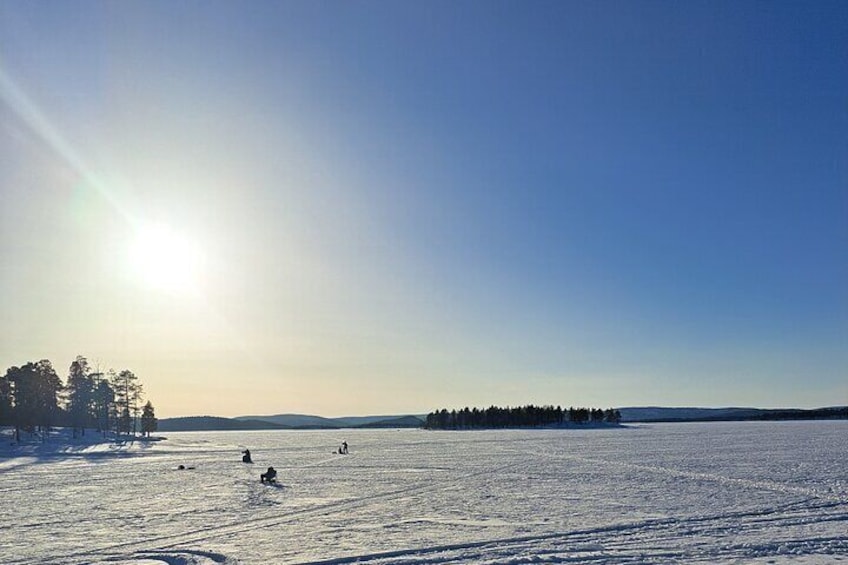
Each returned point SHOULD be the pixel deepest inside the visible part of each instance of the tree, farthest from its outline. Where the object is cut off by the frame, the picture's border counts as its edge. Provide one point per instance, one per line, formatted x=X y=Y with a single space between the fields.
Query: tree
x=49 y=388
x=127 y=398
x=35 y=389
x=22 y=398
x=80 y=395
x=104 y=403
x=135 y=405
x=612 y=416
x=148 y=419
x=5 y=401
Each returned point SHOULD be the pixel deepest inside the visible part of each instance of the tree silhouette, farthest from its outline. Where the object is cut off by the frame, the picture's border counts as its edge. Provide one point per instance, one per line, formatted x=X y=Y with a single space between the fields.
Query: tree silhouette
x=80 y=395
x=34 y=391
x=516 y=417
x=104 y=403
x=30 y=398
x=5 y=401
x=148 y=419
x=127 y=397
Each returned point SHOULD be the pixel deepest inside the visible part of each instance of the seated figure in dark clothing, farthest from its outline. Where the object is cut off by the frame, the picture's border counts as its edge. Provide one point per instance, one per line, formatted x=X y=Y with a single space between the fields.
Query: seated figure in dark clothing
x=246 y=456
x=269 y=476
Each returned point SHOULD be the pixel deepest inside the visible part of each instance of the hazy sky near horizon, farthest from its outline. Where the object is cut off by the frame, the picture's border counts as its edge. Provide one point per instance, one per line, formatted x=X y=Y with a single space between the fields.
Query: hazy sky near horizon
x=389 y=207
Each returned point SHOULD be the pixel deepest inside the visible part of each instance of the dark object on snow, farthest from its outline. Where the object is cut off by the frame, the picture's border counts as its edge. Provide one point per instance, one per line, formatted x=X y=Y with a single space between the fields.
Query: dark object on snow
x=184 y=468
x=269 y=476
x=343 y=449
x=181 y=467
x=246 y=456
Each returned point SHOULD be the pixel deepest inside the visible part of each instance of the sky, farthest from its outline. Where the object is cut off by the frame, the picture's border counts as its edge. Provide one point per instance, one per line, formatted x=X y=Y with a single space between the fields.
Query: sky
x=347 y=208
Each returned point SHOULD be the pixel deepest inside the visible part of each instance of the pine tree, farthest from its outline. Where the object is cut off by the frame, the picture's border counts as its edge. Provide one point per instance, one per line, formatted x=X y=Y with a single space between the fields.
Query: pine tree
x=104 y=403
x=80 y=399
x=35 y=389
x=127 y=400
x=49 y=387
x=148 y=419
x=5 y=401
x=21 y=385
x=135 y=405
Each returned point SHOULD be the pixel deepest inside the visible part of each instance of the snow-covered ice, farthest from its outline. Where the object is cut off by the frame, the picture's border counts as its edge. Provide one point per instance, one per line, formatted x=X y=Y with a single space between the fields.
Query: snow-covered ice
x=753 y=493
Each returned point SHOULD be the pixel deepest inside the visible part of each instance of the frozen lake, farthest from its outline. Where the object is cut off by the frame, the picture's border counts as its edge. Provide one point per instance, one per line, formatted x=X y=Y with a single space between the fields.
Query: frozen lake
x=664 y=493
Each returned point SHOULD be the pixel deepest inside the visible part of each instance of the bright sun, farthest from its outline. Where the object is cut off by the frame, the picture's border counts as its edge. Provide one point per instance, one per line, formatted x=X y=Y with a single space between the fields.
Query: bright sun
x=165 y=260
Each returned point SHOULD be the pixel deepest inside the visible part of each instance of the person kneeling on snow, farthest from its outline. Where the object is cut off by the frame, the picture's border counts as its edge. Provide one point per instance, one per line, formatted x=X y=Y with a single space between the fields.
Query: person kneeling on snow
x=270 y=476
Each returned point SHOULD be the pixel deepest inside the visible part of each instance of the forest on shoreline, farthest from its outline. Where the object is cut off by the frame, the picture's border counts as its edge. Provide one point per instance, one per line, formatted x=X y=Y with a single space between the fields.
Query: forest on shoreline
x=529 y=416
x=34 y=399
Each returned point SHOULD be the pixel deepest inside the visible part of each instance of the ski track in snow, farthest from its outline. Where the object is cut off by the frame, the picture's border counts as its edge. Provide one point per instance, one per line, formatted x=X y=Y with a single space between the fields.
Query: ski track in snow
x=774 y=493
x=204 y=534
x=597 y=544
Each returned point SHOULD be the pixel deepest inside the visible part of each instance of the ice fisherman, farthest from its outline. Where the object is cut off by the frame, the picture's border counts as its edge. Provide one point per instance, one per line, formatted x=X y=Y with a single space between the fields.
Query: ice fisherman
x=343 y=449
x=246 y=456
x=269 y=476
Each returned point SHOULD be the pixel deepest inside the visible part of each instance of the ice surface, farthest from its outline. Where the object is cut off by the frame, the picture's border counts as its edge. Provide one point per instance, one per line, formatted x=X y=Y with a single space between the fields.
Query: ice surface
x=753 y=493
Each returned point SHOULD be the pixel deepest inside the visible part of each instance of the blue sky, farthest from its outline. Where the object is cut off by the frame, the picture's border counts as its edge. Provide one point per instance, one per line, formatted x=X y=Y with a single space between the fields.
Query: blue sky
x=401 y=206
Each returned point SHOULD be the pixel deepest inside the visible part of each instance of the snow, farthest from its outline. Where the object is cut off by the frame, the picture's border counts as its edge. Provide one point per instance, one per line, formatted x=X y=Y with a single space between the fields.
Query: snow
x=754 y=493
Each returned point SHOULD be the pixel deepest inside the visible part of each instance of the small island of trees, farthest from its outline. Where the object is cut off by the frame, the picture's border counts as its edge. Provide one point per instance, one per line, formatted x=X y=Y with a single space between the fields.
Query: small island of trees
x=34 y=399
x=529 y=416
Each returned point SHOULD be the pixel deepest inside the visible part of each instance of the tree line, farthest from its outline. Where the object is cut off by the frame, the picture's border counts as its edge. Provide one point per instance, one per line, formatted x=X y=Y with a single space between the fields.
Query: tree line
x=34 y=398
x=517 y=417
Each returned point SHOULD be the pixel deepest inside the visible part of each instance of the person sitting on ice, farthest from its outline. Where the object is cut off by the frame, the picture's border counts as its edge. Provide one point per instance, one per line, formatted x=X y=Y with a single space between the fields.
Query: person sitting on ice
x=269 y=476
x=343 y=450
x=246 y=456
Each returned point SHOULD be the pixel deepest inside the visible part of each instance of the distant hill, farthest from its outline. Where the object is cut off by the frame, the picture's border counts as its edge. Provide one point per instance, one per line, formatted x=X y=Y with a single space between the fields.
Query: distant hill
x=284 y=422
x=402 y=422
x=660 y=414
x=303 y=421
x=210 y=423
x=630 y=414
x=368 y=421
x=294 y=420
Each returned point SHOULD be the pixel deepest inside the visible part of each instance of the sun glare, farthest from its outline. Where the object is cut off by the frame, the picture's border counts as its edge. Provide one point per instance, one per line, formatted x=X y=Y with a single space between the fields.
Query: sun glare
x=165 y=260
